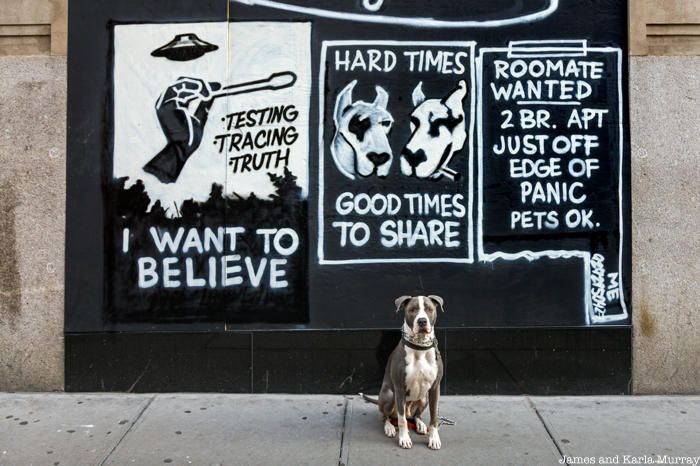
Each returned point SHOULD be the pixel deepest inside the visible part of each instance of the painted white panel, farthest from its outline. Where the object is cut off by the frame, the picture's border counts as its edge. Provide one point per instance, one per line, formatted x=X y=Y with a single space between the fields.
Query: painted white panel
x=246 y=52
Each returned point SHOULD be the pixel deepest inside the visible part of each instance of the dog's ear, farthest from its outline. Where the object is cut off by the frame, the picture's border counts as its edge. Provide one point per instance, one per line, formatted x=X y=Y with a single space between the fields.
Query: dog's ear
x=418 y=96
x=399 y=302
x=454 y=100
x=438 y=301
x=382 y=98
x=343 y=101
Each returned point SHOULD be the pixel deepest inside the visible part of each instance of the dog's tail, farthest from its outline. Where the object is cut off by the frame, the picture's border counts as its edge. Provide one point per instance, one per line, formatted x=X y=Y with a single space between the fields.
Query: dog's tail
x=369 y=399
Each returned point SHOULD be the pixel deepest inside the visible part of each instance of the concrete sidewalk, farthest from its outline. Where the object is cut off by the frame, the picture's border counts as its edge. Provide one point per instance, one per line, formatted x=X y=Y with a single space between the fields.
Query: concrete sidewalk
x=120 y=429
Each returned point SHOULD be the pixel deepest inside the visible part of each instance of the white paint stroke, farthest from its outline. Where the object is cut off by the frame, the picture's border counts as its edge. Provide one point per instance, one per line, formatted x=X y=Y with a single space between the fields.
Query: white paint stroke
x=548 y=48
x=545 y=102
x=401 y=20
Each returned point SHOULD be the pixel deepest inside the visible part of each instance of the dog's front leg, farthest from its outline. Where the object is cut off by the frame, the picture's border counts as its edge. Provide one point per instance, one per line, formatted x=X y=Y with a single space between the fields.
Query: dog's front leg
x=420 y=405
x=434 y=442
x=404 y=438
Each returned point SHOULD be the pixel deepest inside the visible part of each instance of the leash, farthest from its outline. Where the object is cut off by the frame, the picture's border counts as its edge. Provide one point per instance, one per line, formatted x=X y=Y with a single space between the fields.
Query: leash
x=411 y=421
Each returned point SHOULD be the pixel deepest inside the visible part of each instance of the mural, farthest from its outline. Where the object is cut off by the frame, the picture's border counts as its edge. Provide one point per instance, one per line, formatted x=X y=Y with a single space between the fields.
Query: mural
x=551 y=166
x=210 y=170
x=295 y=163
x=395 y=164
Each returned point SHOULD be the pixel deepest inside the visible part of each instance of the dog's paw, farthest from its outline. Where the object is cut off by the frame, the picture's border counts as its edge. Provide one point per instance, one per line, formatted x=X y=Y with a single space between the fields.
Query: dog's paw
x=389 y=429
x=421 y=428
x=434 y=442
x=405 y=440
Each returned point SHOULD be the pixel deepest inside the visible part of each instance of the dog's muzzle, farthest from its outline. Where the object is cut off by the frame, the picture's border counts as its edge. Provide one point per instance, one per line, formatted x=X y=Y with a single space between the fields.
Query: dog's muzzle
x=414 y=158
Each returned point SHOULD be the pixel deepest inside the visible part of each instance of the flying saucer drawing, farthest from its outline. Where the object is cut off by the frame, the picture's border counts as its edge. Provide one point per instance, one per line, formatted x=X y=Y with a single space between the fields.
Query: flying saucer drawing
x=184 y=47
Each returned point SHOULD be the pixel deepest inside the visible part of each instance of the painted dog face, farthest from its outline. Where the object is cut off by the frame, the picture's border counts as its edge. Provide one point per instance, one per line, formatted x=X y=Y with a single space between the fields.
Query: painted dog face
x=420 y=312
x=438 y=131
x=361 y=145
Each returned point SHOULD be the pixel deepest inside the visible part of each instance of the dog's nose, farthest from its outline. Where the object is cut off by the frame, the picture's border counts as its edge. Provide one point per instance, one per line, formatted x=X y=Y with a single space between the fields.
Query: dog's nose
x=378 y=158
x=422 y=322
x=414 y=158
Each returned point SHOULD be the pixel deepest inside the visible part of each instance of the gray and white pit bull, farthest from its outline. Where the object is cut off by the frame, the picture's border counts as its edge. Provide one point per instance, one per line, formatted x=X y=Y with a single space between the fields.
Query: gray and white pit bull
x=413 y=372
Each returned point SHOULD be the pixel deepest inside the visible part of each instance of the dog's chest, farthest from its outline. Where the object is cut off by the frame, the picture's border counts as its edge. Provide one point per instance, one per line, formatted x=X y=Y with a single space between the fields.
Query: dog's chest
x=421 y=372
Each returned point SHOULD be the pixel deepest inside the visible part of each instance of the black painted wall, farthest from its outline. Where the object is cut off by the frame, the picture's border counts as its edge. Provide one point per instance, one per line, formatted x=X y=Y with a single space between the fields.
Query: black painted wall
x=510 y=324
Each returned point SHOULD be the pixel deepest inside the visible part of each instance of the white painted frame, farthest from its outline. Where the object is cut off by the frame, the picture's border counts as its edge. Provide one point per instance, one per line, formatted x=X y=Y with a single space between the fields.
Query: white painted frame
x=471 y=46
x=554 y=48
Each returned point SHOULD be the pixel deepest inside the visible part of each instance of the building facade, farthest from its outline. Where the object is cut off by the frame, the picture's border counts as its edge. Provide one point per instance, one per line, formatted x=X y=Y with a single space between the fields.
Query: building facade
x=651 y=348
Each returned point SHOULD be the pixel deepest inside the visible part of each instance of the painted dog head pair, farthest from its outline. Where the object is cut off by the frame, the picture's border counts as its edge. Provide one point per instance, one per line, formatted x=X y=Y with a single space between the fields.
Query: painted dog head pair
x=360 y=146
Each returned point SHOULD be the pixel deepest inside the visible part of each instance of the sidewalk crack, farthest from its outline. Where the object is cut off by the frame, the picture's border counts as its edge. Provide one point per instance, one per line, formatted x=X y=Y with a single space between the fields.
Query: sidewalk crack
x=344 y=456
x=548 y=430
x=121 y=439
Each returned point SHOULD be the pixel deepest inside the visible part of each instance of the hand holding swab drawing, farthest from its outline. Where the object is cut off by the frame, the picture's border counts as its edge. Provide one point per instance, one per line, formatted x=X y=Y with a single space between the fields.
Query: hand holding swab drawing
x=183 y=110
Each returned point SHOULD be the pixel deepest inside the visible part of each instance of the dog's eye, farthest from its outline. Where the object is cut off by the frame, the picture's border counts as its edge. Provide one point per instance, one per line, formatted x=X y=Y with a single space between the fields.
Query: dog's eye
x=415 y=122
x=450 y=123
x=359 y=127
x=386 y=124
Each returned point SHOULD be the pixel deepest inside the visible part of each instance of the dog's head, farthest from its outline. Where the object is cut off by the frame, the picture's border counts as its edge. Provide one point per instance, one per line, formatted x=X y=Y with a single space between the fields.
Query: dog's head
x=438 y=130
x=361 y=144
x=420 y=312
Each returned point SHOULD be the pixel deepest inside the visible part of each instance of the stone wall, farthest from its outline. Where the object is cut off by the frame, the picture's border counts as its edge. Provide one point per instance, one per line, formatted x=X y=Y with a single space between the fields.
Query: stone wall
x=32 y=221
x=665 y=115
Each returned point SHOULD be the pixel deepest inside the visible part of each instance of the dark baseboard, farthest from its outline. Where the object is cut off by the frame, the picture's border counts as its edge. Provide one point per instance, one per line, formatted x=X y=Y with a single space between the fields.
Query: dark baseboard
x=477 y=361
